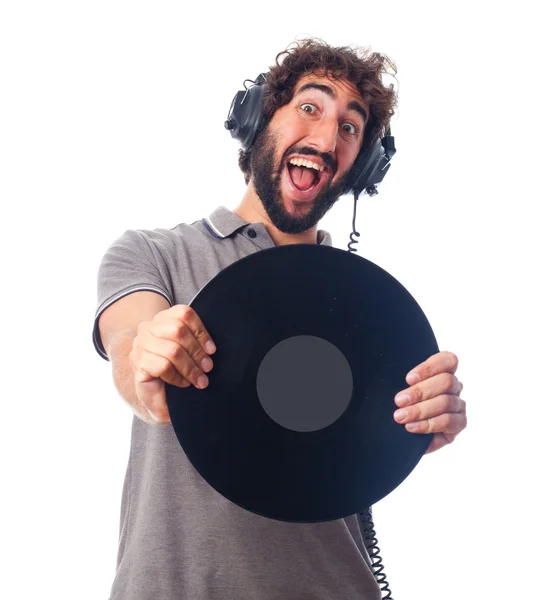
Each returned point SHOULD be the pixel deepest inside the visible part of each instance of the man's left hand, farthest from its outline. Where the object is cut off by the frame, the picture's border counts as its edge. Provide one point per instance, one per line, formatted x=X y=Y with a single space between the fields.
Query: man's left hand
x=432 y=403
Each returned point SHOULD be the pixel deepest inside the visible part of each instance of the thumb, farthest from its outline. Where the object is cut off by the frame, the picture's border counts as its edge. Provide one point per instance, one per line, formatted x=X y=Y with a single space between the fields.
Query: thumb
x=151 y=394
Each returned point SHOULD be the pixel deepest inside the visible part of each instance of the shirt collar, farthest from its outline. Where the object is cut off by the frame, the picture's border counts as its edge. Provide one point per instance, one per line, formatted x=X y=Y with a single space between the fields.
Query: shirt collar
x=222 y=223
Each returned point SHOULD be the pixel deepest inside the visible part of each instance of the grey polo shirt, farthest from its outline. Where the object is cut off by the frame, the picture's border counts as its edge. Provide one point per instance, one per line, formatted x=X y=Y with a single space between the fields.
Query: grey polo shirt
x=179 y=538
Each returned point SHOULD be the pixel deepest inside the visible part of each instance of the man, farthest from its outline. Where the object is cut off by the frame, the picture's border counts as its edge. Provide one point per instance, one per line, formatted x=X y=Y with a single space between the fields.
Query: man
x=180 y=538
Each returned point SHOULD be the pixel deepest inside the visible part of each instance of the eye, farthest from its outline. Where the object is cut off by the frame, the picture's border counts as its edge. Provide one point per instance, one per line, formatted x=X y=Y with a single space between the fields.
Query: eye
x=311 y=108
x=349 y=128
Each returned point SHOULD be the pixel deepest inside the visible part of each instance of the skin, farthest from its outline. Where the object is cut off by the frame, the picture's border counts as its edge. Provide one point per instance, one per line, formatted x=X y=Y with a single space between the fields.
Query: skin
x=328 y=127
x=432 y=403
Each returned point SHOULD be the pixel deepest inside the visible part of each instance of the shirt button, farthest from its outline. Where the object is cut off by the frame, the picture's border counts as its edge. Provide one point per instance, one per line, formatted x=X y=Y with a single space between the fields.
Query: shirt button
x=251 y=233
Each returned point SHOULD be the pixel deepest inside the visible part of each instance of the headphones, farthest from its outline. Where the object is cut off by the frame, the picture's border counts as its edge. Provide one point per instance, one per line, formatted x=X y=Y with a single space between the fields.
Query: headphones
x=245 y=120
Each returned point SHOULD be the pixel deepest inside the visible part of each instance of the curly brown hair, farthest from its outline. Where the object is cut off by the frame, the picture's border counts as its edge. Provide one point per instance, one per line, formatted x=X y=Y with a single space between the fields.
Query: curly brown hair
x=359 y=66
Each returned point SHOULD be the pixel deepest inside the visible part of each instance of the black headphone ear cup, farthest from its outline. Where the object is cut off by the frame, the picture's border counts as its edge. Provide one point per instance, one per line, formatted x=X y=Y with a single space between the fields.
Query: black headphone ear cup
x=371 y=166
x=246 y=113
x=368 y=166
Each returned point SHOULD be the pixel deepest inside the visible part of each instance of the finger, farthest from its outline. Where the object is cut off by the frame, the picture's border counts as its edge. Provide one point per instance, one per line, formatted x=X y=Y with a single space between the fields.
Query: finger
x=169 y=361
x=187 y=315
x=442 y=362
x=439 y=441
x=176 y=331
x=147 y=366
x=445 y=403
x=447 y=423
x=444 y=383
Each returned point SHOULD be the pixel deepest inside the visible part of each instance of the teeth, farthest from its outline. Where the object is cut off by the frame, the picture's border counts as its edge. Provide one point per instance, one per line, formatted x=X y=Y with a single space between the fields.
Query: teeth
x=301 y=162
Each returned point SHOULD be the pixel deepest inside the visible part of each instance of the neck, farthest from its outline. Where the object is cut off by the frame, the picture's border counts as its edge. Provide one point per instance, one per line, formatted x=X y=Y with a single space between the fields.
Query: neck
x=252 y=210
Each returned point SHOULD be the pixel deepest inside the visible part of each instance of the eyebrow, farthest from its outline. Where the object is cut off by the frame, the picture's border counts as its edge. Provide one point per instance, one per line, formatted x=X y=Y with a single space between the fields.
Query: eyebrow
x=326 y=89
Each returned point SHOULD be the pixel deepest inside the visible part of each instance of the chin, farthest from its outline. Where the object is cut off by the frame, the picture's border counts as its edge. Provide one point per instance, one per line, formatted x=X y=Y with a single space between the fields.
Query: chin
x=297 y=207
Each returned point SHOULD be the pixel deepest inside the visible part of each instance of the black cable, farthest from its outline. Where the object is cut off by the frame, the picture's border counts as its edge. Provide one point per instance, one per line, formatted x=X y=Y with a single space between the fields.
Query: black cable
x=354 y=233
x=371 y=542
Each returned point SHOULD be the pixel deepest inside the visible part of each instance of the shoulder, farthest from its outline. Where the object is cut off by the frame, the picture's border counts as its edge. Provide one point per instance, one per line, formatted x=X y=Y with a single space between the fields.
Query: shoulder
x=162 y=240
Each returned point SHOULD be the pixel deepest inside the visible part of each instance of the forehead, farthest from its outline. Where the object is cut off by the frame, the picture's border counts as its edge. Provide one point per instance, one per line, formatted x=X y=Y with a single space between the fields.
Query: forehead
x=344 y=90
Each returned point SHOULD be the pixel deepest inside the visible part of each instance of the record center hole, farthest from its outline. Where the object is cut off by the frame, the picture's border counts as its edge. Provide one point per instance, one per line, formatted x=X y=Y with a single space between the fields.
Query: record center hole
x=304 y=383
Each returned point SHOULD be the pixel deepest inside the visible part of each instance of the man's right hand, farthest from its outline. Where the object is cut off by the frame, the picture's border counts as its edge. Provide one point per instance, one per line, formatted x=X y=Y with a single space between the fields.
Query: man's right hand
x=173 y=347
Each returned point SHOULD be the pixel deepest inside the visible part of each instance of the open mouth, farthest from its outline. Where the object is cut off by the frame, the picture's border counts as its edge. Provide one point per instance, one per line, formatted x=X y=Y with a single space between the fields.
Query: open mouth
x=306 y=177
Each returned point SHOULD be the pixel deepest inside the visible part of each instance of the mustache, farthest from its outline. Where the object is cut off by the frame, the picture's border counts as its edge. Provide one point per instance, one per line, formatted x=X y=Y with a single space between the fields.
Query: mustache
x=327 y=158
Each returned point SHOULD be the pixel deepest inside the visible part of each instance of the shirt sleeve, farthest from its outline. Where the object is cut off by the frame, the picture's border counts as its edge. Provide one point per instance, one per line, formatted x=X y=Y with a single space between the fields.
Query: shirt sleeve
x=131 y=264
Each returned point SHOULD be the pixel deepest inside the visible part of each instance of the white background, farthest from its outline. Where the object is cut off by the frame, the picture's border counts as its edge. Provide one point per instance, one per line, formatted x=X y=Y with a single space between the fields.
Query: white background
x=112 y=118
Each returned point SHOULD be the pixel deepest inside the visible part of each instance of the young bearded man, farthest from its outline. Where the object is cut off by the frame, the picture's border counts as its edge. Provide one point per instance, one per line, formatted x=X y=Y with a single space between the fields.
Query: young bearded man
x=179 y=537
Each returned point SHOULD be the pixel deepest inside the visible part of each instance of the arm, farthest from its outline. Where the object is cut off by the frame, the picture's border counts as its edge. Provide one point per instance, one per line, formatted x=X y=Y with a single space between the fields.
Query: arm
x=118 y=327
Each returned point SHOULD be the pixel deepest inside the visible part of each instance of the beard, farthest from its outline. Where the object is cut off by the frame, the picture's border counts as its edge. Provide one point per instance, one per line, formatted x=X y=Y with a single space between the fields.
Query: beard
x=266 y=182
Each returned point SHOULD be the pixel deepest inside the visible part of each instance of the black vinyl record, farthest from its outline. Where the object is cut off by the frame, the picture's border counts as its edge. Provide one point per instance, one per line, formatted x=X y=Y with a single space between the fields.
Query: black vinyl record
x=296 y=424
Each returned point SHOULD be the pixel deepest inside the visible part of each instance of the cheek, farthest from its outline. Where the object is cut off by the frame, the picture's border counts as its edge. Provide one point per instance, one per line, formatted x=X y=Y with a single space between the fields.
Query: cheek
x=345 y=164
x=290 y=133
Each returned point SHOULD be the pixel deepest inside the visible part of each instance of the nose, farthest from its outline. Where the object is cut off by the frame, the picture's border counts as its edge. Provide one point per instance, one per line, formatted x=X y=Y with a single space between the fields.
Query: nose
x=323 y=136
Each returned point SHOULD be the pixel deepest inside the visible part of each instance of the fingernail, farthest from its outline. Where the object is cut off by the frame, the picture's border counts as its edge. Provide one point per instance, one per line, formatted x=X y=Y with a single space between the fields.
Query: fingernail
x=202 y=381
x=401 y=414
x=210 y=347
x=206 y=364
x=402 y=400
x=413 y=378
x=412 y=426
